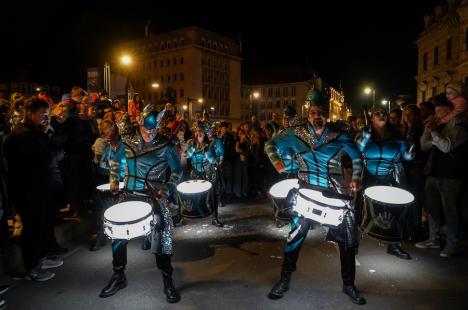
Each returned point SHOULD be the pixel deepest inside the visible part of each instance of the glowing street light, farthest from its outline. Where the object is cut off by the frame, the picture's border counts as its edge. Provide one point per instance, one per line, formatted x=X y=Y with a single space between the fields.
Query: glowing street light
x=255 y=95
x=384 y=102
x=126 y=60
x=155 y=85
x=368 y=91
x=184 y=107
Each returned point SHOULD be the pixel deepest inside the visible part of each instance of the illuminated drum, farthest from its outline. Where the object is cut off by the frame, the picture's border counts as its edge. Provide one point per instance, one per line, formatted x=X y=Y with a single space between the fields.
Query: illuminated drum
x=194 y=198
x=128 y=220
x=385 y=212
x=314 y=205
x=278 y=193
x=104 y=197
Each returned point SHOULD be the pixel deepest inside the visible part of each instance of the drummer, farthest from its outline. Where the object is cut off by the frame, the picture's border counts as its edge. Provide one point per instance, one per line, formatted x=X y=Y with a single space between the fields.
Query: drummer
x=149 y=156
x=106 y=148
x=315 y=144
x=383 y=150
x=203 y=156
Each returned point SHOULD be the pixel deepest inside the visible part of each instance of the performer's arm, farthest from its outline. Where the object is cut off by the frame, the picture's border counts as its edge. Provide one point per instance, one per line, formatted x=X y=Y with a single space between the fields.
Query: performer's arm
x=407 y=150
x=285 y=139
x=176 y=172
x=362 y=139
x=355 y=155
x=114 y=167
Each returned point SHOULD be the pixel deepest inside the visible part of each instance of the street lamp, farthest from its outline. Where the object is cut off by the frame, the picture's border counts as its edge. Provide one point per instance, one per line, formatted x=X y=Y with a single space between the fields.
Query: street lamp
x=368 y=91
x=126 y=60
x=155 y=85
x=255 y=95
x=384 y=102
x=190 y=105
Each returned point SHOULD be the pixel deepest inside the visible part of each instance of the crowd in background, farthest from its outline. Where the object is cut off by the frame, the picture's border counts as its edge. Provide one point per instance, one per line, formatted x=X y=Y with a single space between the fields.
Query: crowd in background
x=51 y=155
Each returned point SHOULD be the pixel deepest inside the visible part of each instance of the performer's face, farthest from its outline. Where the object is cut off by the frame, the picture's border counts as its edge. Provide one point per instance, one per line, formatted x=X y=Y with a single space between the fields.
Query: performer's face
x=148 y=134
x=200 y=136
x=317 y=117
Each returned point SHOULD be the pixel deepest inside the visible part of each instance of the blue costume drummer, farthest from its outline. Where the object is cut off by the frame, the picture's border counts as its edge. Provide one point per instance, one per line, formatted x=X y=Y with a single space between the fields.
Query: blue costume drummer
x=205 y=157
x=383 y=151
x=153 y=171
x=316 y=145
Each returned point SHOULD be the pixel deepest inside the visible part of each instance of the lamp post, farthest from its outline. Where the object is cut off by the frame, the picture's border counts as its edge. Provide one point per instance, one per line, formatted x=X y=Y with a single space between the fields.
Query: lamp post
x=255 y=95
x=384 y=102
x=126 y=60
x=190 y=105
x=368 y=91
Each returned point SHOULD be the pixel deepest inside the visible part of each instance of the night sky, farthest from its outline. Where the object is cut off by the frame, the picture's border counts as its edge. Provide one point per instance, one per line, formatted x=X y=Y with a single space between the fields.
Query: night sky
x=352 y=43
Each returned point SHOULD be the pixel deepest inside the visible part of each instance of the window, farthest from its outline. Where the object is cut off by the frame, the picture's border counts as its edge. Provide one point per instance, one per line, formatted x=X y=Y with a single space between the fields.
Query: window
x=423 y=95
x=285 y=92
x=203 y=61
x=209 y=44
x=449 y=48
x=293 y=103
x=181 y=60
x=262 y=105
x=161 y=63
x=270 y=92
x=168 y=62
x=293 y=90
x=285 y=103
x=277 y=104
x=169 y=45
x=163 y=46
x=175 y=77
x=434 y=91
x=182 y=42
x=174 y=61
x=181 y=76
x=425 y=62
x=155 y=64
x=203 y=42
x=156 y=47
x=436 y=56
x=168 y=78
x=181 y=93
x=162 y=78
x=269 y=105
x=175 y=43
x=263 y=92
x=277 y=92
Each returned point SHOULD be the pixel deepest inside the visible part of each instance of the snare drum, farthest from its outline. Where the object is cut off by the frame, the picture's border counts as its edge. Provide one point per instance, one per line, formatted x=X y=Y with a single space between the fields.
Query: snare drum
x=314 y=205
x=278 y=193
x=105 y=198
x=385 y=213
x=194 y=198
x=128 y=220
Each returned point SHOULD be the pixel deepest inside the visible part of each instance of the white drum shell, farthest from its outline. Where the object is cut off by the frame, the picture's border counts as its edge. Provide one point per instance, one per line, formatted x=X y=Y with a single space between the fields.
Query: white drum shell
x=128 y=220
x=194 y=187
x=282 y=188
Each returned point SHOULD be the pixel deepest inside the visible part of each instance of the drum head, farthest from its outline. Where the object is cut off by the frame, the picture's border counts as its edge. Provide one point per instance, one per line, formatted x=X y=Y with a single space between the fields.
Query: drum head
x=389 y=195
x=106 y=187
x=317 y=196
x=282 y=188
x=127 y=211
x=194 y=187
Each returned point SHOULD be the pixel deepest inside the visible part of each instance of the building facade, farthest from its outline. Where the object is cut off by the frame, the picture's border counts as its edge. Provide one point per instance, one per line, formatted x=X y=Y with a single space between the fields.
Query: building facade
x=273 y=98
x=185 y=65
x=443 y=49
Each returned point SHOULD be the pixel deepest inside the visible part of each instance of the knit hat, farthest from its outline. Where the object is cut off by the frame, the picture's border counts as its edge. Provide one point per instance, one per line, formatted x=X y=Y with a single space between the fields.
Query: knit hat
x=456 y=86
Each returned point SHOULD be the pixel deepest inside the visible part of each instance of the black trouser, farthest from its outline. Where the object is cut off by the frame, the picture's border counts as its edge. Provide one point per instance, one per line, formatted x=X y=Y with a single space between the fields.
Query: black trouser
x=119 y=256
x=300 y=227
x=33 y=236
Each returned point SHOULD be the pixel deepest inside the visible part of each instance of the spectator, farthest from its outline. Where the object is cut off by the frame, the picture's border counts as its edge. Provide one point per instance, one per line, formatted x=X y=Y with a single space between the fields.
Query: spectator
x=394 y=119
x=241 y=164
x=29 y=159
x=454 y=92
x=445 y=171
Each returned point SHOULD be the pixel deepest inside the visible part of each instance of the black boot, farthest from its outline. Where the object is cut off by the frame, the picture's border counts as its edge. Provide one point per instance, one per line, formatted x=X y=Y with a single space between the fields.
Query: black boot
x=354 y=294
x=117 y=282
x=171 y=294
x=395 y=249
x=281 y=287
x=216 y=222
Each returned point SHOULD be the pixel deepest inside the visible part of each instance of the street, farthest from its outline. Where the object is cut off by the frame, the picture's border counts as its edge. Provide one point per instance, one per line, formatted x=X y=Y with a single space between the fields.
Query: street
x=235 y=267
